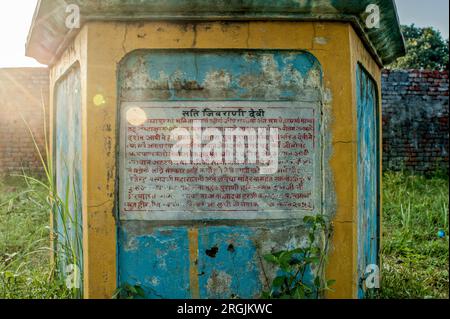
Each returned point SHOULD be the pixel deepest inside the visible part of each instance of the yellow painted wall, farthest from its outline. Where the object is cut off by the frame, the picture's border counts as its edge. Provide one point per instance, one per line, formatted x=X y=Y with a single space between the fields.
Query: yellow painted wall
x=100 y=46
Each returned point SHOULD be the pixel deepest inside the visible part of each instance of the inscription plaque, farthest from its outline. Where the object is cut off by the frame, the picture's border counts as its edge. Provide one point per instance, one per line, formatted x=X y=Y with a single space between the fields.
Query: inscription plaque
x=219 y=160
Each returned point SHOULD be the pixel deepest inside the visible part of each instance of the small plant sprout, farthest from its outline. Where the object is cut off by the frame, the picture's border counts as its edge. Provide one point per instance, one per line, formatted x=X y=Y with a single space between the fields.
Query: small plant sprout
x=300 y=271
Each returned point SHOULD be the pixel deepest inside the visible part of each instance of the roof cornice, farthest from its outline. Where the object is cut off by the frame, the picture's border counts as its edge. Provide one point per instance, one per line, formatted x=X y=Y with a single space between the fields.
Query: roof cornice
x=49 y=36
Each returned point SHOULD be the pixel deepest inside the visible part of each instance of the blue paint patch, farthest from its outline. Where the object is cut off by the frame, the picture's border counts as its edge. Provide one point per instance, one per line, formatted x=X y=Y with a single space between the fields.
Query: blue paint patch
x=228 y=265
x=157 y=261
x=368 y=176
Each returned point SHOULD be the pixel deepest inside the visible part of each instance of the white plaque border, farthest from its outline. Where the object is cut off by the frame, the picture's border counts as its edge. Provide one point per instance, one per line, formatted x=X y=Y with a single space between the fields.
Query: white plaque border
x=218 y=214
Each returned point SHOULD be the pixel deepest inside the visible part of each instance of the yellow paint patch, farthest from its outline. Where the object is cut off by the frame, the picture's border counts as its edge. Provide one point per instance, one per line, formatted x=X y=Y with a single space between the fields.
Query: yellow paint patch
x=193 y=263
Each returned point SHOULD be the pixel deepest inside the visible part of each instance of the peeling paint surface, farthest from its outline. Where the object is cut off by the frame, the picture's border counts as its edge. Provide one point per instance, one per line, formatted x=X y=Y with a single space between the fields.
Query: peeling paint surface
x=222 y=275
x=157 y=260
x=211 y=258
x=232 y=76
x=368 y=176
x=67 y=159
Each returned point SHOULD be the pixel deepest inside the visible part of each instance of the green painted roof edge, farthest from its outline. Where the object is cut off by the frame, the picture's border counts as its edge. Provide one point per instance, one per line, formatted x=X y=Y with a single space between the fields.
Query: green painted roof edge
x=48 y=35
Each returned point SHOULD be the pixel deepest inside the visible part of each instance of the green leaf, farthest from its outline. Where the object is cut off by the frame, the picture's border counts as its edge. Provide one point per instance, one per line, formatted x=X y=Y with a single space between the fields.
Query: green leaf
x=299 y=293
x=278 y=281
x=298 y=251
x=271 y=258
x=132 y=290
x=312 y=260
x=308 y=219
x=317 y=281
x=279 y=253
x=265 y=295
x=296 y=261
x=139 y=291
x=285 y=258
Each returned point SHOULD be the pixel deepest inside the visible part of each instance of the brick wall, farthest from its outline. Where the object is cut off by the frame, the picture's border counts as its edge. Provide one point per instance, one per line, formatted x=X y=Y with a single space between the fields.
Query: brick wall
x=21 y=92
x=415 y=120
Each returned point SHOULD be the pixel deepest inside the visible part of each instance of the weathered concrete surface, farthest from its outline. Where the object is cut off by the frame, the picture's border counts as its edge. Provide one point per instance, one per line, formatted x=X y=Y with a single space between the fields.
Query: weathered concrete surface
x=211 y=257
x=232 y=76
x=225 y=262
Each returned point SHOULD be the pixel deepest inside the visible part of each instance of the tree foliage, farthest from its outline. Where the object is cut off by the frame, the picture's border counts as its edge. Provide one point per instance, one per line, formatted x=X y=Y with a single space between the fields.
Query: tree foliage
x=426 y=49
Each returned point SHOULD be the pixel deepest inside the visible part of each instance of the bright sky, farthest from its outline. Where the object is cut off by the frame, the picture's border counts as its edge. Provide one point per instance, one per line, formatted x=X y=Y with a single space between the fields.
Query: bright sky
x=424 y=13
x=16 y=15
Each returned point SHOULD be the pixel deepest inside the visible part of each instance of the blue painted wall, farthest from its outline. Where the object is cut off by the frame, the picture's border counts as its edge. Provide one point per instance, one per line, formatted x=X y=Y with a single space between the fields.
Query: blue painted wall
x=368 y=175
x=157 y=259
x=68 y=169
x=155 y=255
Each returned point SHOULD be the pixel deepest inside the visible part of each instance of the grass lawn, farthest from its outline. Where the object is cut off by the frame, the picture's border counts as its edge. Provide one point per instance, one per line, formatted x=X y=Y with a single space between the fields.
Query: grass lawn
x=415 y=259
x=25 y=270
